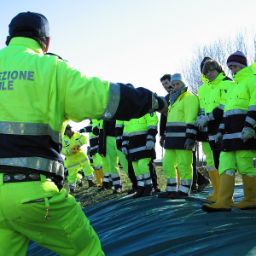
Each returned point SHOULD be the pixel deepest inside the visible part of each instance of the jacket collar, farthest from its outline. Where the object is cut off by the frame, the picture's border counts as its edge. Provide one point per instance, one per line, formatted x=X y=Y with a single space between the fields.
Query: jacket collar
x=27 y=43
x=242 y=74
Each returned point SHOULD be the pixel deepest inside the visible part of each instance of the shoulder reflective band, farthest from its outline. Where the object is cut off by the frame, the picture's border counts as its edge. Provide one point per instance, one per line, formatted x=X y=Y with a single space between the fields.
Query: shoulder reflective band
x=113 y=101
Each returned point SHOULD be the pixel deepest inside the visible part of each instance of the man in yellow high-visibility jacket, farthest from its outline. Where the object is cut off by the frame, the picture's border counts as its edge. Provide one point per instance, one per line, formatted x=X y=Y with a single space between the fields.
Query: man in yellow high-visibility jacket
x=237 y=132
x=38 y=93
x=213 y=96
x=179 y=139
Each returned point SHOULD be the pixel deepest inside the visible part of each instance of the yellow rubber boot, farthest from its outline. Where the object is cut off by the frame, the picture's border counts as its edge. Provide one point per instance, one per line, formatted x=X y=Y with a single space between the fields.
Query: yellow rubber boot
x=215 y=180
x=178 y=178
x=99 y=177
x=226 y=190
x=249 y=201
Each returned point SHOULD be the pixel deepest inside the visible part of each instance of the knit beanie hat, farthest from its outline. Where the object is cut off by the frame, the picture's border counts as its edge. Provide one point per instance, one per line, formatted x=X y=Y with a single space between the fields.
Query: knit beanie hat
x=211 y=65
x=202 y=63
x=177 y=77
x=237 y=59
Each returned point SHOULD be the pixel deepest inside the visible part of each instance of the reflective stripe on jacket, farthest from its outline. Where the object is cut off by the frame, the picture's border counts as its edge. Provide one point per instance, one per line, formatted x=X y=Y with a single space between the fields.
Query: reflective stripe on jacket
x=181 y=121
x=240 y=112
x=137 y=132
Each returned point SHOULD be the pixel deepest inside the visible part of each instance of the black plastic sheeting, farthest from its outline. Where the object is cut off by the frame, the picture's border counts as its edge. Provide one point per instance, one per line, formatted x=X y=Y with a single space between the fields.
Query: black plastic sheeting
x=152 y=226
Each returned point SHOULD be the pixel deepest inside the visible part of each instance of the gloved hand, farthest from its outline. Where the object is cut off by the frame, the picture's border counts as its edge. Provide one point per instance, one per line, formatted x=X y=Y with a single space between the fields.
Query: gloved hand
x=125 y=150
x=189 y=144
x=161 y=142
x=95 y=131
x=198 y=122
x=202 y=121
x=82 y=130
x=150 y=144
x=247 y=133
x=218 y=138
x=159 y=104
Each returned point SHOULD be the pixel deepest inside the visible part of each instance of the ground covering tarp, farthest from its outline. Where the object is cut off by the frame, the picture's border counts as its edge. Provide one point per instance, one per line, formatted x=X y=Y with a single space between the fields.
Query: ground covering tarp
x=152 y=226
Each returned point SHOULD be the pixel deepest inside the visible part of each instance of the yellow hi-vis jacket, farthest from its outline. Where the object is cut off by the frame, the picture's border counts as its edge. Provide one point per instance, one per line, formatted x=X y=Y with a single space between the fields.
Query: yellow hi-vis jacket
x=71 y=148
x=136 y=134
x=181 y=121
x=202 y=92
x=240 y=112
x=217 y=95
x=39 y=92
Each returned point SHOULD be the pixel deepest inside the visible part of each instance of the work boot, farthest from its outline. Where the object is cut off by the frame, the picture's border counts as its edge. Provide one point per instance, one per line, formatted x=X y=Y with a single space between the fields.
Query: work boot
x=117 y=191
x=194 y=188
x=107 y=185
x=249 y=201
x=132 y=190
x=72 y=188
x=156 y=190
x=139 y=192
x=224 y=200
x=202 y=186
x=102 y=188
x=147 y=190
x=91 y=184
x=215 y=180
x=80 y=183
x=167 y=194
x=179 y=195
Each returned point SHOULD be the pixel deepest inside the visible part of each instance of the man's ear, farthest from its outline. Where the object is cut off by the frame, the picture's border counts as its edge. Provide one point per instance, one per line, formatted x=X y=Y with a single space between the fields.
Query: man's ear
x=47 y=44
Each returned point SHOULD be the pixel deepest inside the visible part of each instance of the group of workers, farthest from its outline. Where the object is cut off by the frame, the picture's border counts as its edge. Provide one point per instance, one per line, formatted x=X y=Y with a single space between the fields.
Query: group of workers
x=34 y=205
x=222 y=117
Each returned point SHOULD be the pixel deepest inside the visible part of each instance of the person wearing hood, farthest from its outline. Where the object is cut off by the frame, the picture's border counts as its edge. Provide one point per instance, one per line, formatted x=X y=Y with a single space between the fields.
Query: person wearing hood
x=179 y=139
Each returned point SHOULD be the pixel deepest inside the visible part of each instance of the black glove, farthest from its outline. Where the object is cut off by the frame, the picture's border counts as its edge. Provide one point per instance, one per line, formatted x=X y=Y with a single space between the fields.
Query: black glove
x=189 y=144
x=82 y=130
x=95 y=131
x=218 y=138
